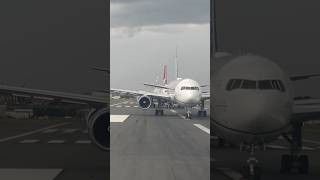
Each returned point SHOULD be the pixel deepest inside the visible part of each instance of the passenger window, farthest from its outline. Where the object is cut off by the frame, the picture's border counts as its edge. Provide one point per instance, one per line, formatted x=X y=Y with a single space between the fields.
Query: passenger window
x=188 y=88
x=183 y=88
x=248 y=84
x=193 y=88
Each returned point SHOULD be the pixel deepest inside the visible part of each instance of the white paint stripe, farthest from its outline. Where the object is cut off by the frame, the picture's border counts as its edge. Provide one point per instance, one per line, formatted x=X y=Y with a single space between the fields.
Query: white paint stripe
x=118 y=118
x=85 y=131
x=50 y=130
x=56 y=141
x=231 y=173
x=120 y=103
x=214 y=137
x=135 y=106
x=182 y=116
x=307 y=148
x=273 y=146
x=311 y=141
x=131 y=102
x=34 y=174
x=118 y=106
x=128 y=106
x=83 y=142
x=69 y=131
x=27 y=141
x=202 y=128
x=32 y=132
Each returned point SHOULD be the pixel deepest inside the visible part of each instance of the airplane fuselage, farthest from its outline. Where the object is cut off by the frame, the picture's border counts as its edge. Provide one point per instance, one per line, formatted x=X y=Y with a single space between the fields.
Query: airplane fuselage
x=186 y=92
x=252 y=101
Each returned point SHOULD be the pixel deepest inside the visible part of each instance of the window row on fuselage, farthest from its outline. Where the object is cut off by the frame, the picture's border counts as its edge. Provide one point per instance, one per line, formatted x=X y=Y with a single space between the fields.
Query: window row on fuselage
x=252 y=84
x=189 y=88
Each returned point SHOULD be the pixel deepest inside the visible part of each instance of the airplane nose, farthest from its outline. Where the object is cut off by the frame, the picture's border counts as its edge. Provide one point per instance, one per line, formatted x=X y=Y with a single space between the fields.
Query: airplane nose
x=192 y=97
x=261 y=114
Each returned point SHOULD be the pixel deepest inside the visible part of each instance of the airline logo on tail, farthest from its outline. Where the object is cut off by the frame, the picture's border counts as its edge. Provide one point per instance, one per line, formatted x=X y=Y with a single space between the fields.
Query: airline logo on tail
x=165 y=75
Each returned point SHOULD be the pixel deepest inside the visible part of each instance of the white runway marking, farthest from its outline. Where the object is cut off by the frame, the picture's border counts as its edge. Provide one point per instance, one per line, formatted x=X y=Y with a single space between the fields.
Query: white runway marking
x=56 y=141
x=50 y=130
x=131 y=102
x=118 y=118
x=128 y=106
x=118 y=106
x=83 y=142
x=120 y=103
x=34 y=174
x=231 y=173
x=29 y=141
x=32 y=132
x=69 y=131
x=135 y=106
x=85 y=131
x=202 y=128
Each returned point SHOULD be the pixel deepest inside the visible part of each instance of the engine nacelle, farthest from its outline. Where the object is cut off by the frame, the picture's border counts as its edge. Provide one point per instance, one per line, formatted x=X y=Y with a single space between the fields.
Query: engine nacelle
x=99 y=128
x=145 y=102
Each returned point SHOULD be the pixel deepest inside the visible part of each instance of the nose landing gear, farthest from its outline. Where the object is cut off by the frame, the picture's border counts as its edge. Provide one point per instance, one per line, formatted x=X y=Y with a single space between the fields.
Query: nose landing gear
x=252 y=170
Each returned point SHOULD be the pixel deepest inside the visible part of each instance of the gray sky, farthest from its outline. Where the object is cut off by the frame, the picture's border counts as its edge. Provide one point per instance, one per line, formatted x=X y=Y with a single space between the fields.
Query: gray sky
x=285 y=31
x=145 y=33
x=53 y=44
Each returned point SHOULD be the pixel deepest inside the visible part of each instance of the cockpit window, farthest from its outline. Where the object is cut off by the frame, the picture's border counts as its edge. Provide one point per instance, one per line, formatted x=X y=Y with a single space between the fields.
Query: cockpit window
x=248 y=84
x=195 y=88
x=251 y=84
x=234 y=84
x=265 y=84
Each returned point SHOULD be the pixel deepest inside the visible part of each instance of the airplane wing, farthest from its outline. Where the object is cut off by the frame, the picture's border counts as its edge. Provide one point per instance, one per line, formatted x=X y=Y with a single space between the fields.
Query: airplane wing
x=157 y=86
x=141 y=93
x=303 y=77
x=95 y=101
x=205 y=95
x=306 y=110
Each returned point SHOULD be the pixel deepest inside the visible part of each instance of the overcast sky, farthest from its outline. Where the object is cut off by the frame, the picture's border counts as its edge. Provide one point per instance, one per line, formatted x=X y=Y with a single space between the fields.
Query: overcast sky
x=53 y=44
x=285 y=31
x=145 y=34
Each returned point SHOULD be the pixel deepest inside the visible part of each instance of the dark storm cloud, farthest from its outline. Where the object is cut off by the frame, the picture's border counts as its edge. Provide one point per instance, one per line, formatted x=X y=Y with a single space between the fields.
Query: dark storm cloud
x=53 y=44
x=285 y=31
x=125 y=13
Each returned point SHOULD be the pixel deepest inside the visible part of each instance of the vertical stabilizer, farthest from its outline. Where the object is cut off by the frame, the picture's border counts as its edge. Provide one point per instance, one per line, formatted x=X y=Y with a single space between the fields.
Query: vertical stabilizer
x=177 y=65
x=165 y=75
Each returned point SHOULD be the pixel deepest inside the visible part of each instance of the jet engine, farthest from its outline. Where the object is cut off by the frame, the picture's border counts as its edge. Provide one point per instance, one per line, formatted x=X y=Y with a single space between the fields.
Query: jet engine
x=144 y=102
x=98 y=122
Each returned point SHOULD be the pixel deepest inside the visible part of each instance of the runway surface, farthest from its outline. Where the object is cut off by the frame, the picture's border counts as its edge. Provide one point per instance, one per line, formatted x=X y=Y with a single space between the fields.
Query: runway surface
x=49 y=149
x=227 y=162
x=149 y=147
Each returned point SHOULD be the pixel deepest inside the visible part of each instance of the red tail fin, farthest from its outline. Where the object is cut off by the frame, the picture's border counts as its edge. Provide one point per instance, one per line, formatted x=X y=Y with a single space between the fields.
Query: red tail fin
x=165 y=75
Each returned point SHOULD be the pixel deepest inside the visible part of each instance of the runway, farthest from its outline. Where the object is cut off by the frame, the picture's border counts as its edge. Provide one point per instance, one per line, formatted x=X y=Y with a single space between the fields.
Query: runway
x=227 y=162
x=49 y=149
x=149 y=147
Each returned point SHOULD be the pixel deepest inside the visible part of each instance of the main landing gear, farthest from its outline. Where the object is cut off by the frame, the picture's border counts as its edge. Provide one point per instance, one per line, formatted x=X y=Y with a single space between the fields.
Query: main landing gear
x=294 y=162
x=202 y=112
x=159 y=110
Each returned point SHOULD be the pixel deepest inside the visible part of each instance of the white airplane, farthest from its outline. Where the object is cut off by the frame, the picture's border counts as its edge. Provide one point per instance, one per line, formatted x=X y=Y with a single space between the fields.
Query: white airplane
x=184 y=92
x=97 y=119
x=253 y=105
